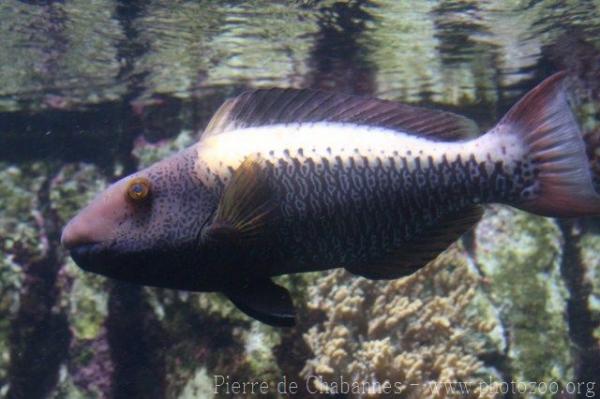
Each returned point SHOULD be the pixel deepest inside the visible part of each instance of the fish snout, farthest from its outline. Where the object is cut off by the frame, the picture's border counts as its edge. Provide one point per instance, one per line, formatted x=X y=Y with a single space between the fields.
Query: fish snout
x=97 y=222
x=77 y=232
x=79 y=238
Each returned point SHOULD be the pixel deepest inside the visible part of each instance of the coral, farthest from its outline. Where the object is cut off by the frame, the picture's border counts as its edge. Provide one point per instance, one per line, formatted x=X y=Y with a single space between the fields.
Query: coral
x=411 y=333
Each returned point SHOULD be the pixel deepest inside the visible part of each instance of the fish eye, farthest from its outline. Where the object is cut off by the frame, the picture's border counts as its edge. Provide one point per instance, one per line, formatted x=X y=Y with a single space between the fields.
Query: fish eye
x=138 y=189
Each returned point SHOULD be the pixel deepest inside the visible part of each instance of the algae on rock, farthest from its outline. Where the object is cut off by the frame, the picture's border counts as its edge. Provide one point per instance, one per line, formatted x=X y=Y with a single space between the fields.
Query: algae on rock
x=520 y=254
x=148 y=153
x=590 y=253
x=83 y=295
x=20 y=241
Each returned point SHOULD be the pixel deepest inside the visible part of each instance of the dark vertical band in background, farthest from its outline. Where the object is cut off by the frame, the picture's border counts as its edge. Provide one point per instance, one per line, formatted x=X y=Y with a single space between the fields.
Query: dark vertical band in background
x=132 y=329
x=39 y=337
x=136 y=345
x=338 y=61
x=586 y=349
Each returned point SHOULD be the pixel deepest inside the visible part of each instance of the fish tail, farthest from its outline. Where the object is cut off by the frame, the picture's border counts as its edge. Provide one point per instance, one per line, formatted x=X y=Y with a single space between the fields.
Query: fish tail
x=544 y=122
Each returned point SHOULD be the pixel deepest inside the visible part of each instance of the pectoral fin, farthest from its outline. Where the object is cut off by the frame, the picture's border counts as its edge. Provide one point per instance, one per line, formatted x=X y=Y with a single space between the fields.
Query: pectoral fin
x=245 y=207
x=265 y=301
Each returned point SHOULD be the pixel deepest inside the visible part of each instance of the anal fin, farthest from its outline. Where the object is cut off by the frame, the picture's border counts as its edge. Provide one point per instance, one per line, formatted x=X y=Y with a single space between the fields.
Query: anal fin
x=265 y=301
x=422 y=249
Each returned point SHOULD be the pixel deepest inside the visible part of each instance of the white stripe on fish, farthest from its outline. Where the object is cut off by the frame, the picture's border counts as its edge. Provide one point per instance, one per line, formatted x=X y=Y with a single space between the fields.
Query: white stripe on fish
x=223 y=153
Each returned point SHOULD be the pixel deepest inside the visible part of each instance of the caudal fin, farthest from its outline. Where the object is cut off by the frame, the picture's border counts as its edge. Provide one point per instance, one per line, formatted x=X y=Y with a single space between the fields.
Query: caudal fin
x=543 y=119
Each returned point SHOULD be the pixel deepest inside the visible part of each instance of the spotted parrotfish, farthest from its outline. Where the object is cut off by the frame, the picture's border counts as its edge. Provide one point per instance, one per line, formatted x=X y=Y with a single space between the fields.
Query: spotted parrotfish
x=286 y=181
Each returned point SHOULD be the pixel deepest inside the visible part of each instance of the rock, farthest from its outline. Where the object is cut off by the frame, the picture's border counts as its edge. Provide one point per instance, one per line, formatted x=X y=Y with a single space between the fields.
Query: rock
x=519 y=254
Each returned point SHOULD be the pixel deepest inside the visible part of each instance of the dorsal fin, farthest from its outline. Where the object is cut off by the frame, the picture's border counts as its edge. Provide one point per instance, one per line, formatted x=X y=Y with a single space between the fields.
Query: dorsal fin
x=422 y=249
x=284 y=106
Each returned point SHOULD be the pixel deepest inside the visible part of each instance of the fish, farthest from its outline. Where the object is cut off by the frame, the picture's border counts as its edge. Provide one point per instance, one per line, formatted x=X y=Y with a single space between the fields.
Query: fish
x=287 y=181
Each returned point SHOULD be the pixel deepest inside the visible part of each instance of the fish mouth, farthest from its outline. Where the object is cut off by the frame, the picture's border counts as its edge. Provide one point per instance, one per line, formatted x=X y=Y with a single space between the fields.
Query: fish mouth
x=147 y=267
x=106 y=260
x=86 y=256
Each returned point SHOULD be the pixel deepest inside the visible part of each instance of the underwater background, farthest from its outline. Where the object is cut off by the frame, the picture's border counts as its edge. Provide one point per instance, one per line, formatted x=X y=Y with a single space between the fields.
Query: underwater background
x=93 y=90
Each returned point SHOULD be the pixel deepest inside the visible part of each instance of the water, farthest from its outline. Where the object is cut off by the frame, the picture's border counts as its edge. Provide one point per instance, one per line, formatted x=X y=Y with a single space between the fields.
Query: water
x=90 y=91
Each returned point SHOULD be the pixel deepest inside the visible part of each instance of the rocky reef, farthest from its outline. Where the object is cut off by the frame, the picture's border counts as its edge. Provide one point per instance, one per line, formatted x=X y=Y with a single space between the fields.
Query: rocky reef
x=90 y=93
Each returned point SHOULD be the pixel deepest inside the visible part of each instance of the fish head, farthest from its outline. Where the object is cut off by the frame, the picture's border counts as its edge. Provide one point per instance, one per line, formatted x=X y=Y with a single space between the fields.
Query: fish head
x=145 y=227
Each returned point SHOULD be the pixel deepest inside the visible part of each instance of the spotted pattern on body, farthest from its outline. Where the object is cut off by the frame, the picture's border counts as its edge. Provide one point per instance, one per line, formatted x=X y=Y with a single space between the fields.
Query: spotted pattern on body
x=174 y=210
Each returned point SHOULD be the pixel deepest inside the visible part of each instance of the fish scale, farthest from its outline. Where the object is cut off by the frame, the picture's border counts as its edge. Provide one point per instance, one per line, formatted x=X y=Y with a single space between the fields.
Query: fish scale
x=360 y=206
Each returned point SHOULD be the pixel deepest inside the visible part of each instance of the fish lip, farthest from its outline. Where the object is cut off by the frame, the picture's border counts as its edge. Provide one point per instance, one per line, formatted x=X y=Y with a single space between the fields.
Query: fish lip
x=83 y=254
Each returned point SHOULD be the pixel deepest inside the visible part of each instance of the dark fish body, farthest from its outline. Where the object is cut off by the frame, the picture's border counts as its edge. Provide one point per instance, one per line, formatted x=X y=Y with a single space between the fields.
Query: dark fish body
x=348 y=210
x=286 y=181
